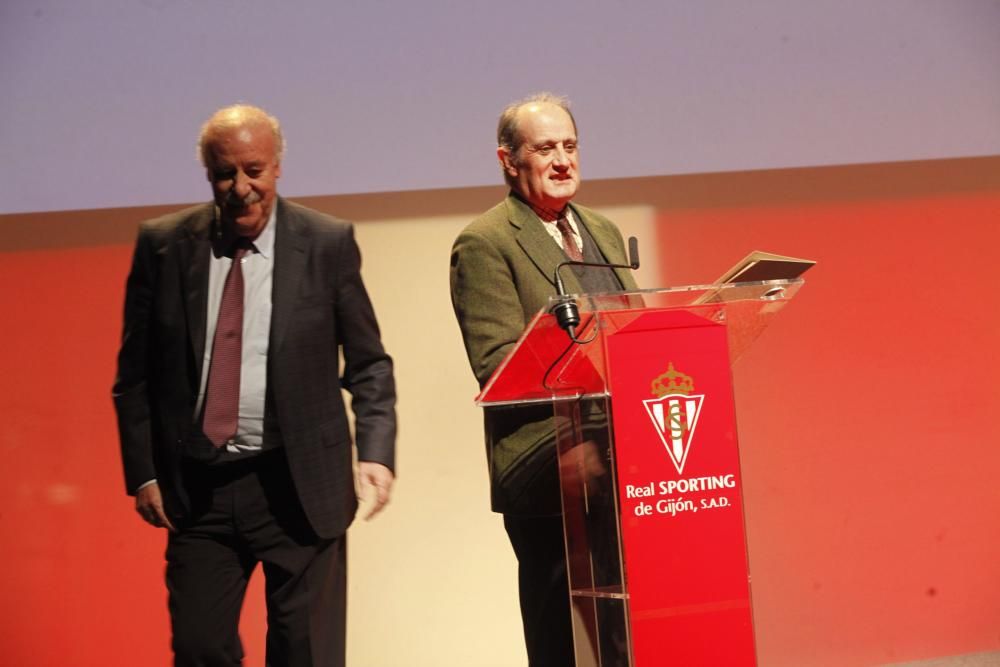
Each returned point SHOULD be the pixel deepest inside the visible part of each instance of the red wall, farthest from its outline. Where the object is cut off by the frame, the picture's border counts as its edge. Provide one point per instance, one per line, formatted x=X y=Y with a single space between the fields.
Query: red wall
x=867 y=416
x=82 y=579
x=79 y=571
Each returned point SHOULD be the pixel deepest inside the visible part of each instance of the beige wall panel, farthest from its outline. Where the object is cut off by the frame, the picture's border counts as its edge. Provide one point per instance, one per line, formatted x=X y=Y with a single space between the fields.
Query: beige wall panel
x=433 y=581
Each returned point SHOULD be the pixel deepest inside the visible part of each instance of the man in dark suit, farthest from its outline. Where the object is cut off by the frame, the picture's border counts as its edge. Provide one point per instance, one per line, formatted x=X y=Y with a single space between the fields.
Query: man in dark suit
x=502 y=268
x=234 y=434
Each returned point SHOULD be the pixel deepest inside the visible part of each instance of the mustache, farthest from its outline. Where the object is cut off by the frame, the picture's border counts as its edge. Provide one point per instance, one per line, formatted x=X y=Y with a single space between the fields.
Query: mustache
x=232 y=199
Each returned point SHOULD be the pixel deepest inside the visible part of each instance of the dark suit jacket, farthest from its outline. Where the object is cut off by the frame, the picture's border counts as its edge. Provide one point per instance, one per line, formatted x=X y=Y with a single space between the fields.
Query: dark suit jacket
x=319 y=307
x=502 y=268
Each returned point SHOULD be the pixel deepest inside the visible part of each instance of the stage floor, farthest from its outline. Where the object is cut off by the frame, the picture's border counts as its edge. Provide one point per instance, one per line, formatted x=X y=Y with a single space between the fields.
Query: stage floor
x=970 y=660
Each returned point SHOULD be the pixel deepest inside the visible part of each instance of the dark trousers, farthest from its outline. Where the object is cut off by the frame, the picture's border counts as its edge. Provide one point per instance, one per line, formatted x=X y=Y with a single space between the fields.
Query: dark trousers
x=244 y=513
x=544 y=588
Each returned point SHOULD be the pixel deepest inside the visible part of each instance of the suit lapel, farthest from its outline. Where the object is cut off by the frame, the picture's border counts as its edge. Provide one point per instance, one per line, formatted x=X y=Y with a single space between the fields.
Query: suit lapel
x=538 y=245
x=193 y=253
x=289 y=264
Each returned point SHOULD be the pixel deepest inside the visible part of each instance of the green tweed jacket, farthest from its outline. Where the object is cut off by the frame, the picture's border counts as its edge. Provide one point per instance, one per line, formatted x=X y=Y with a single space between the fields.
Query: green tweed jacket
x=502 y=267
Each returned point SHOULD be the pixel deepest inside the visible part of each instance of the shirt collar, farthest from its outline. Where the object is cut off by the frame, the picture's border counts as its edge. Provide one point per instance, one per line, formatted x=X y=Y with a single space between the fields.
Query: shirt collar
x=543 y=214
x=263 y=244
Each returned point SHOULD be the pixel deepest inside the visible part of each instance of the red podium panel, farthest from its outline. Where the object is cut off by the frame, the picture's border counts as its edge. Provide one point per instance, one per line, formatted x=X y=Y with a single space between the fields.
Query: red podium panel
x=679 y=494
x=649 y=470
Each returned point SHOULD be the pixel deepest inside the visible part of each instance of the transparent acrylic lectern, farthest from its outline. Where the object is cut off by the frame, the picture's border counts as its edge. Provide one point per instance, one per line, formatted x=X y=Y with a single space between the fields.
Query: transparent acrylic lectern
x=648 y=461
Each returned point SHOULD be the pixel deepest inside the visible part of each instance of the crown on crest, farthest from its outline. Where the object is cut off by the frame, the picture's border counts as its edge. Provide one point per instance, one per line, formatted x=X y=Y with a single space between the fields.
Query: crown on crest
x=672 y=382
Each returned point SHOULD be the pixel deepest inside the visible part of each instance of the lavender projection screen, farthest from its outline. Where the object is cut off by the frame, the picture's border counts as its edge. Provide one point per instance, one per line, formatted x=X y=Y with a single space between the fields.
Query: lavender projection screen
x=101 y=99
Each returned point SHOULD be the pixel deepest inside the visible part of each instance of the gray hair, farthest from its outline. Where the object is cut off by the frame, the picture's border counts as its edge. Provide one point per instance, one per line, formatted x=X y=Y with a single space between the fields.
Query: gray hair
x=234 y=116
x=507 y=134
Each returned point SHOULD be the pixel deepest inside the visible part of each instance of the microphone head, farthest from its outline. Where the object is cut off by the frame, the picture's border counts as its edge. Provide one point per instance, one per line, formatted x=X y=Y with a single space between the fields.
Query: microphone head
x=633 y=252
x=567 y=316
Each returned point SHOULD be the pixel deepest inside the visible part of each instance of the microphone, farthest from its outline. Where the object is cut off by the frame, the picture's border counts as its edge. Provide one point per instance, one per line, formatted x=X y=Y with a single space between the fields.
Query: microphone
x=566 y=311
x=633 y=253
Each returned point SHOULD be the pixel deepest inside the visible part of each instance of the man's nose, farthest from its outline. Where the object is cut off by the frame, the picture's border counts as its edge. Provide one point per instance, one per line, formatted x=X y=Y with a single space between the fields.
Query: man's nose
x=561 y=157
x=241 y=186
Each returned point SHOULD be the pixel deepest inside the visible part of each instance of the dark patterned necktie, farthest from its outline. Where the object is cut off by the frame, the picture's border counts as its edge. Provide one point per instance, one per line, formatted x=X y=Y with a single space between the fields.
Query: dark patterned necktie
x=222 y=395
x=568 y=242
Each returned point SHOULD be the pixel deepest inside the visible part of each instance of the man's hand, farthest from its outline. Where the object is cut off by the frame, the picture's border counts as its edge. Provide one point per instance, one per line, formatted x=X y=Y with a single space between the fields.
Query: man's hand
x=580 y=465
x=379 y=477
x=149 y=505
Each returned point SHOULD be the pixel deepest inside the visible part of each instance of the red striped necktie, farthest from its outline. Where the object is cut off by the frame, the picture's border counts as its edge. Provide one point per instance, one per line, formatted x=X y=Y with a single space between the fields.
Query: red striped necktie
x=568 y=242
x=222 y=395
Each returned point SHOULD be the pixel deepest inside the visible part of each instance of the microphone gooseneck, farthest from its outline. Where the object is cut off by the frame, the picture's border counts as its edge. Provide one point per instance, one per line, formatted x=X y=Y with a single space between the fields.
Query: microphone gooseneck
x=566 y=312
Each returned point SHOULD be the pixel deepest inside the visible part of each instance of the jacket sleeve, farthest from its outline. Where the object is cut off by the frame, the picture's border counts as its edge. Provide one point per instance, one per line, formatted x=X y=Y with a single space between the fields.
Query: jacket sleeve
x=486 y=302
x=368 y=369
x=131 y=391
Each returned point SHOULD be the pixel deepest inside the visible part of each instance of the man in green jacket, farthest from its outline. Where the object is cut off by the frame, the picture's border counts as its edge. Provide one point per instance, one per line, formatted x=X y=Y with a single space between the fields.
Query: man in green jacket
x=502 y=274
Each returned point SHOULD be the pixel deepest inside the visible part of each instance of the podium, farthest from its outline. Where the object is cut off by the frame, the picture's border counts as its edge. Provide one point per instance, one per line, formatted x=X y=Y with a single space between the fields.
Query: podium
x=646 y=441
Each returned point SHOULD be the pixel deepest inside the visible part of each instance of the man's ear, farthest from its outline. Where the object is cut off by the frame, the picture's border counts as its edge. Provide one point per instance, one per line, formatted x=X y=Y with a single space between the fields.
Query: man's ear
x=506 y=163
